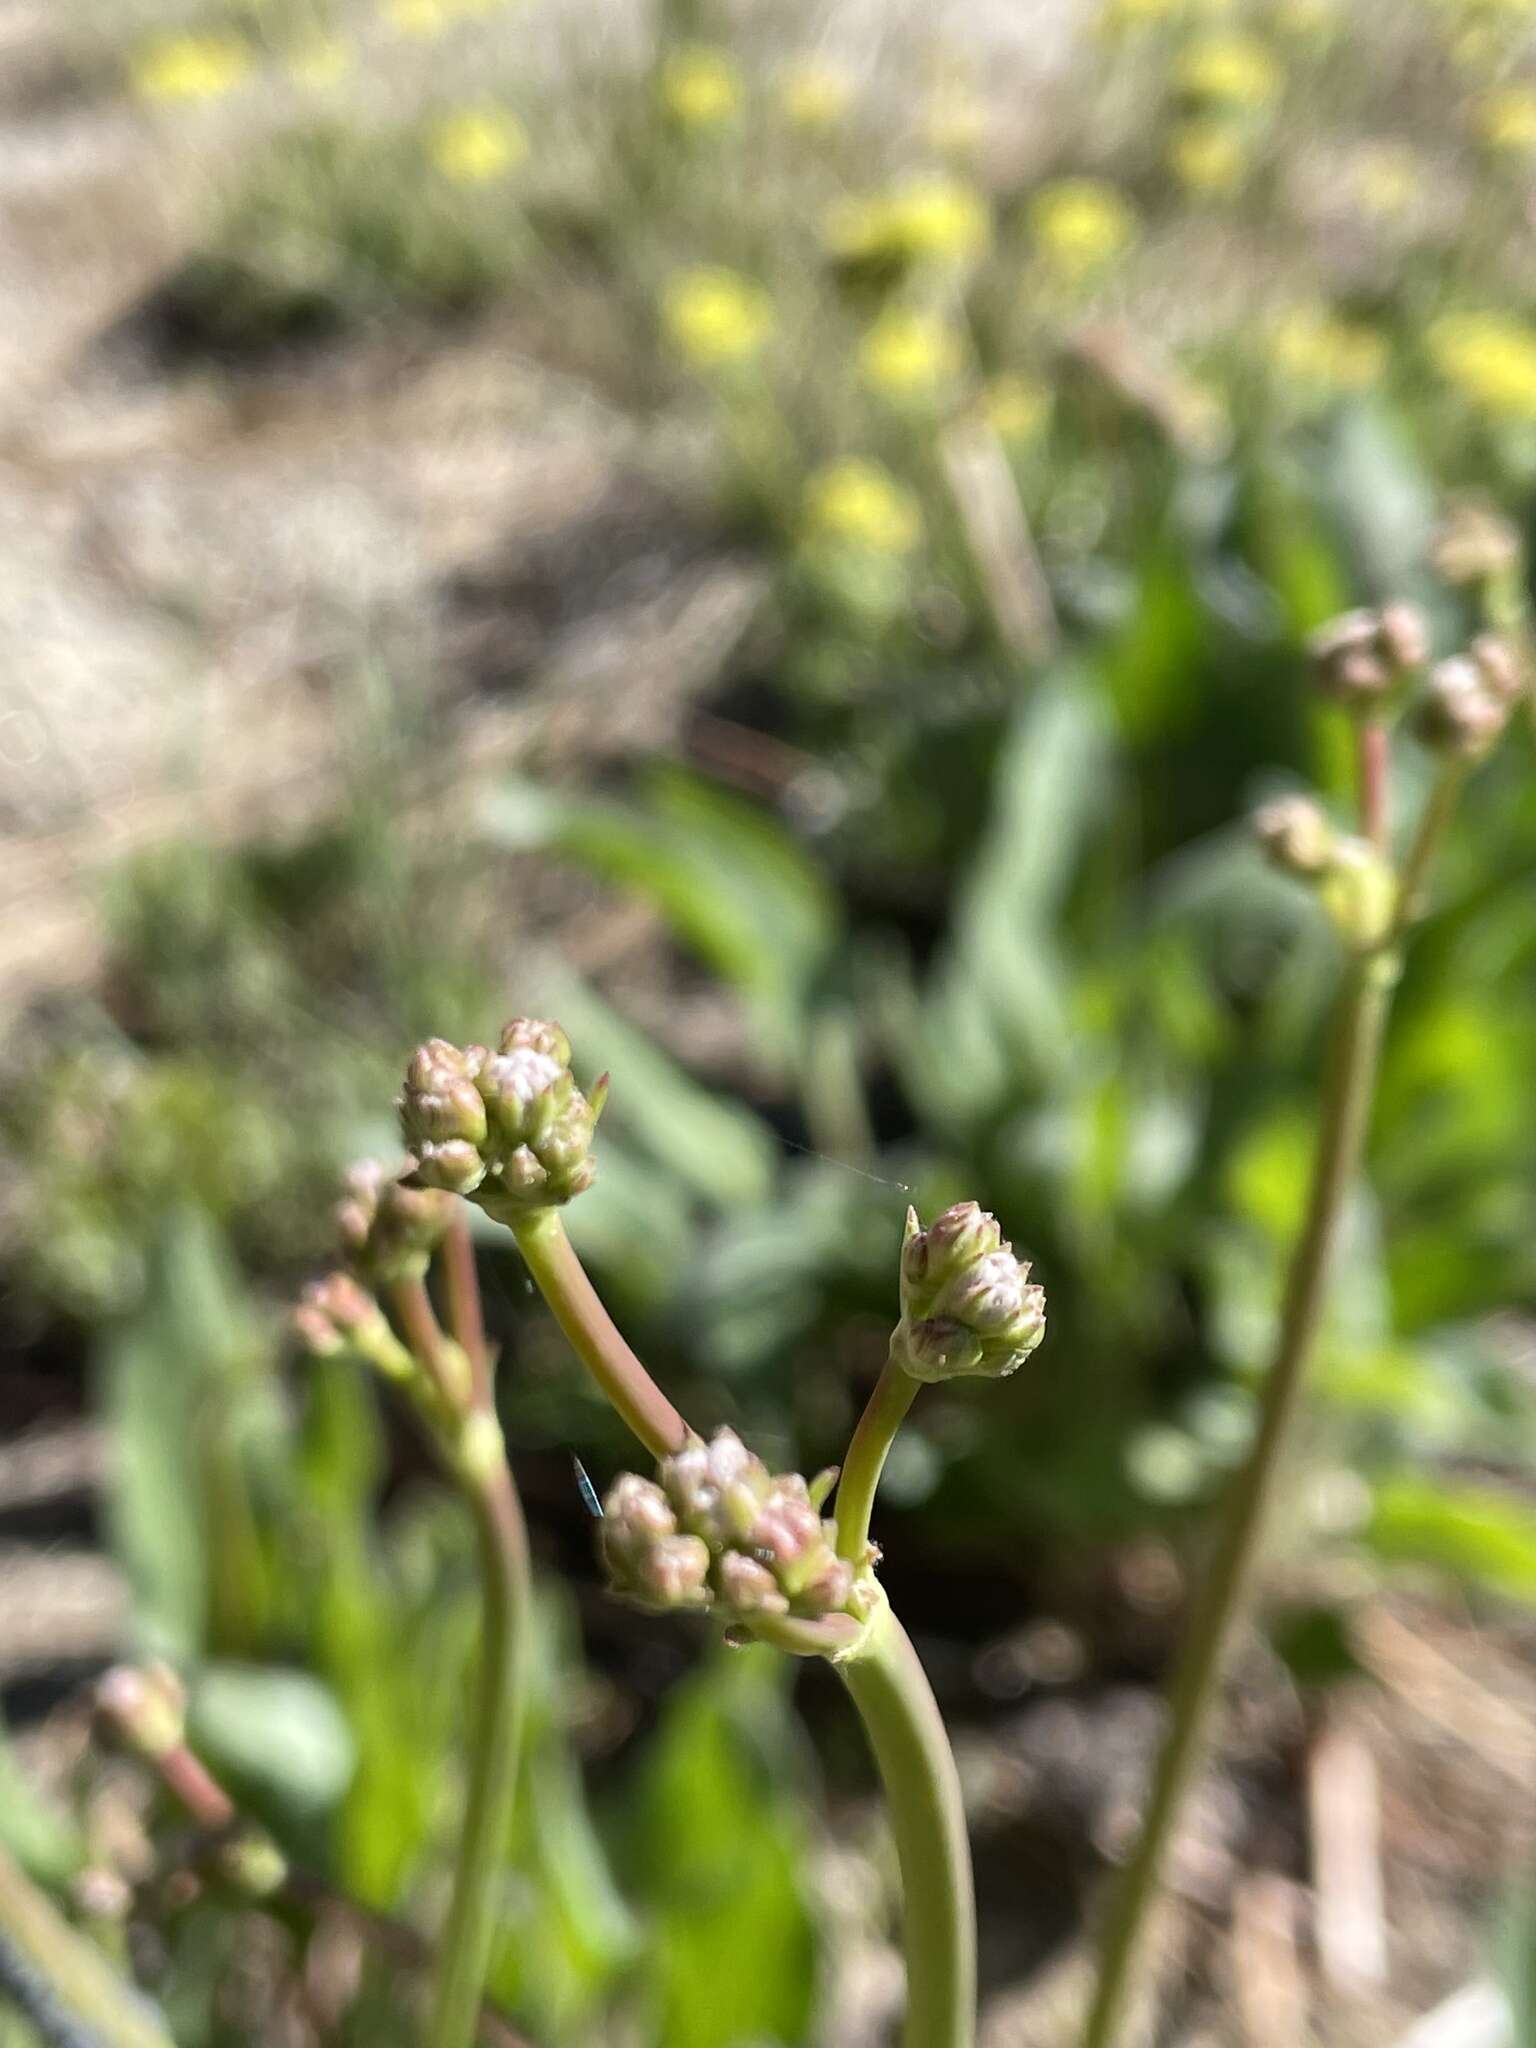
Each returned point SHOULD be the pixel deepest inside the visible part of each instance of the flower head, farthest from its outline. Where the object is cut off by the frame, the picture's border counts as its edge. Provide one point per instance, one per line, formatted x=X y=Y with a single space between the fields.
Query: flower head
x=700 y=86
x=1230 y=70
x=1506 y=120
x=523 y=1142
x=968 y=1305
x=858 y=504
x=1081 y=225
x=477 y=144
x=717 y=1529
x=389 y=1229
x=1476 y=544
x=1208 y=156
x=191 y=67
x=1467 y=703
x=716 y=316
x=1314 y=347
x=909 y=354
x=338 y=1318
x=1489 y=359
x=1295 y=835
x=1363 y=656
x=929 y=218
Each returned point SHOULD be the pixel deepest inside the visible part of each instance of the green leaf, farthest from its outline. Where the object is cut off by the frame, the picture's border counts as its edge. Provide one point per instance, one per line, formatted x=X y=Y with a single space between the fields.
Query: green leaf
x=728 y=877
x=1471 y=1532
x=278 y=1734
x=1152 y=671
x=41 y=1836
x=717 y=1843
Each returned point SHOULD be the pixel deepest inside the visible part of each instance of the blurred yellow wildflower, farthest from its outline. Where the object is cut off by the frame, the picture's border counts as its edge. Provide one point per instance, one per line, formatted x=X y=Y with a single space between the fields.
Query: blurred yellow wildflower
x=716 y=316
x=932 y=217
x=477 y=144
x=417 y=17
x=1388 y=177
x=858 y=504
x=190 y=67
x=1208 y=157
x=1015 y=408
x=909 y=354
x=1489 y=358
x=1313 y=346
x=1081 y=224
x=814 y=96
x=1231 y=71
x=1506 y=119
x=700 y=86
x=318 y=62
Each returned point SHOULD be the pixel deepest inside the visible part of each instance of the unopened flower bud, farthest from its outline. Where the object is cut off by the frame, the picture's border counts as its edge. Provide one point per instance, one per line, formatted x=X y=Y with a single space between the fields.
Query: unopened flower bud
x=1295 y=835
x=143 y=1708
x=1460 y=714
x=1476 y=544
x=1359 y=892
x=337 y=1317
x=747 y=1587
x=388 y=1229
x=648 y=1562
x=1500 y=664
x=967 y=1304
x=1361 y=657
x=443 y=1115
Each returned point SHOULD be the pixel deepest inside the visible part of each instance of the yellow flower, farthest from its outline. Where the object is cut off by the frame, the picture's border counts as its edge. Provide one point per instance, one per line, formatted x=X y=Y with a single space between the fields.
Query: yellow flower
x=477 y=144
x=929 y=218
x=1388 y=177
x=716 y=316
x=909 y=354
x=1208 y=157
x=190 y=67
x=1230 y=70
x=1316 y=347
x=1081 y=224
x=1015 y=408
x=1491 y=360
x=814 y=96
x=700 y=86
x=417 y=17
x=319 y=62
x=859 y=504
x=1506 y=119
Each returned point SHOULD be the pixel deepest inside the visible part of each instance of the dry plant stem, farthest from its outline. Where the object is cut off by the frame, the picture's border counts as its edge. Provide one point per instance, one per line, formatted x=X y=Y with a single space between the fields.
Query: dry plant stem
x=922 y=1791
x=1375 y=766
x=1359 y=1020
x=84 y=1995
x=623 y=1380
x=501 y=1682
x=883 y=1415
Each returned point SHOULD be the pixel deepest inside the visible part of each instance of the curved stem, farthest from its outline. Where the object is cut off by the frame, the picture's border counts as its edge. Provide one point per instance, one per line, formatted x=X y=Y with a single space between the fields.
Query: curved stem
x=466 y=1316
x=1438 y=812
x=1375 y=769
x=496 y=1726
x=883 y=1415
x=889 y=1687
x=63 y=1980
x=624 y=1381
x=1359 y=1021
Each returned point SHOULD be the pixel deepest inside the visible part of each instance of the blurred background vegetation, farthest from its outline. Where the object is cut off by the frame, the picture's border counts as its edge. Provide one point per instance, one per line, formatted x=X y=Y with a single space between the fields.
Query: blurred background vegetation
x=782 y=538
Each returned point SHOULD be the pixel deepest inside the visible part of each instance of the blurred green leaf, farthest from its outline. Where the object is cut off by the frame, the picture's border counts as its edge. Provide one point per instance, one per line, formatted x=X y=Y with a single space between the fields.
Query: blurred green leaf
x=277 y=1734
x=716 y=1847
x=41 y=1835
x=1471 y=1532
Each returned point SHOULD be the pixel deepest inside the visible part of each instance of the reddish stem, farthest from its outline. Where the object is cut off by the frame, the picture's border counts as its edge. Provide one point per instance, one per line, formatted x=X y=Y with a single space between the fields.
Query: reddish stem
x=466 y=1315
x=1375 y=764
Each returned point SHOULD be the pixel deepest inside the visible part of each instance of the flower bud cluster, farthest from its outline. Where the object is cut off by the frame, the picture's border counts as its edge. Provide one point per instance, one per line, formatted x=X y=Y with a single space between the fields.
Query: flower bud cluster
x=1355 y=882
x=1469 y=698
x=1362 y=657
x=716 y=1529
x=1475 y=545
x=338 y=1318
x=510 y=1129
x=143 y=1708
x=389 y=1230
x=968 y=1305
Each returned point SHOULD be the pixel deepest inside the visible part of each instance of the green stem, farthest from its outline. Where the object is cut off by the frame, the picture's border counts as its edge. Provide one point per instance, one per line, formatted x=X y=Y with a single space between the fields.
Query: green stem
x=494 y=1738
x=624 y=1381
x=1438 y=812
x=1359 y=1022
x=883 y=1415
x=72 y=1971
x=922 y=1792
